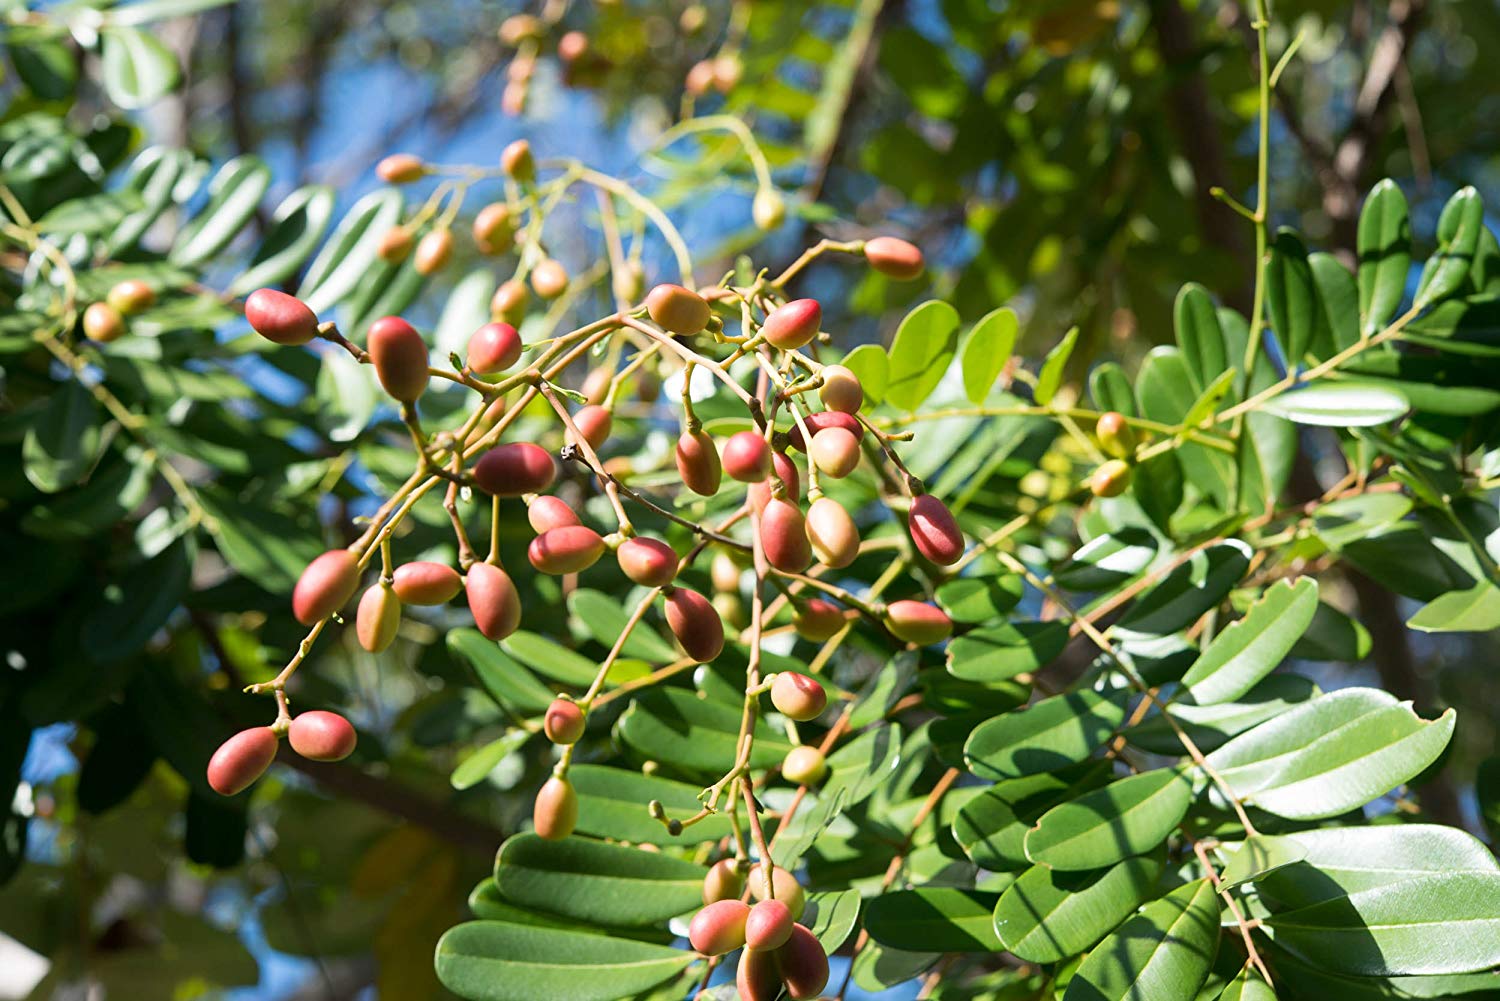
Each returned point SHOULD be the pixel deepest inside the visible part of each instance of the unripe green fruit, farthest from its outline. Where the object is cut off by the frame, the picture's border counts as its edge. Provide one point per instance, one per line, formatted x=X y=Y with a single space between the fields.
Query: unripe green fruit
x=494 y=231
x=804 y=766
x=280 y=318
x=725 y=881
x=758 y=978
x=648 y=562
x=918 y=622
x=325 y=586
x=103 y=323
x=555 y=813
x=549 y=278
x=401 y=168
x=695 y=623
x=131 y=296
x=798 y=696
x=1115 y=436
x=747 y=457
x=434 y=252
x=783 y=469
x=514 y=469
x=493 y=348
x=823 y=420
x=395 y=245
x=509 y=302
x=794 y=325
x=768 y=209
x=1111 y=479
x=835 y=451
x=803 y=964
x=720 y=927
x=678 y=310
x=833 y=534
x=894 y=258
x=241 y=760
x=516 y=160
x=493 y=601
x=594 y=423
x=400 y=358
x=934 y=530
x=818 y=620
x=788 y=890
x=426 y=583
x=841 y=390
x=548 y=512
x=768 y=925
x=571 y=549
x=783 y=536
x=698 y=463
x=564 y=722
x=378 y=619
x=322 y=736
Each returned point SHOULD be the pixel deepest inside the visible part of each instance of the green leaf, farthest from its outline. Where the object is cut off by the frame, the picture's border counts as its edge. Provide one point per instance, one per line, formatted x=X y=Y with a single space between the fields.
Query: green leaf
x=1050 y=376
x=924 y=345
x=1210 y=727
x=1330 y=755
x=477 y=766
x=267 y=545
x=347 y=395
x=1458 y=231
x=506 y=681
x=146 y=11
x=832 y=916
x=551 y=659
x=991 y=828
x=1045 y=915
x=1476 y=610
x=597 y=882
x=62 y=443
x=1384 y=245
x=1296 y=314
x=110 y=495
x=1111 y=389
x=612 y=804
x=1044 y=736
x=1001 y=652
x=1251 y=648
x=1194 y=587
x=1338 y=297
x=123 y=618
x=605 y=620
x=1333 y=636
x=1130 y=816
x=979 y=599
x=1339 y=404
x=137 y=68
x=1259 y=856
x=1354 y=518
x=1487 y=792
x=1107 y=561
x=296 y=229
x=154 y=175
x=934 y=919
x=47 y=67
x=1209 y=401
x=872 y=366
x=986 y=350
x=350 y=252
x=1163 y=952
x=694 y=735
x=1248 y=986
x=500 y=961
x=233 y=196
x=1199 y=336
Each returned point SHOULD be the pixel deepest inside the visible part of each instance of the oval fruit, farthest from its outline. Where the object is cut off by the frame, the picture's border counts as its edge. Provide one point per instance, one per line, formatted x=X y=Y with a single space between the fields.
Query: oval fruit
x=426 y=583
x=493 y=600
x=594 y=423
x=493 y=348
x=934 y=530
x=564 y=722
x=720 y=927
x=803 y=964
x=799 y=696
x=788 y=890
x=822 y=421
x=894 y=257
x=322 y=736
x=698 y=463
x=325 y=586
x=648 y=562
x=1115 y=436
x=555 y=813
x=241 y=760
x=747 y=457
x=835 y=451
x=793 y=325
x=768 y=209
x=695 y=623
x=400 y=358
x=494 y=232
x=724 y=881
x=678 y=310
x=783 y=536
x=841 y=390
x=1111 y=479
x=509 y=302
x=783 y=469
x=401 y=168
x=395 y=245
x=570 y=549
x=547 y=512
x=768 y=925
x=549 y=278
x=517 y=161
x=817 y=620
x=131 y=296
x=434 y=251
x=103 y=323
x=758 y=978
x=378 y=619
x=280 y=318
x=918 y=622
x=804 y=766
x=833 y=534
x=514 y=469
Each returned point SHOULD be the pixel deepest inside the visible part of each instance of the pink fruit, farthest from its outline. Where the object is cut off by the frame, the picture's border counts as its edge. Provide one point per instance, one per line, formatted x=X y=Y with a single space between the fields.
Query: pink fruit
x=783 y=469
x=515 y=469
x=698 y=463
x=570 y=549
x=678 y=310
x=794 y=325
x=493 y=601
x=547 y=512
x=820 y=421
x=241 y=760
x=818 y=620
x=325 y=586
x=747 y=457
x=768 y=925
x=720 y=927
x=400 y=358
x=783 y=536
x=322 y=736
x=918 y=622
x=648 y=562
x=564 y=722
x=803 y=964
x=835 y=451
x=895 y=258
x=279 y=317
x=426 y=583
x=494 y=347
x=555 y=812
x=934 y=530
x=696 y=624
x=378 y=619
x=841 y=390
x=594 y=423
x=833 y=534
x=799 y=696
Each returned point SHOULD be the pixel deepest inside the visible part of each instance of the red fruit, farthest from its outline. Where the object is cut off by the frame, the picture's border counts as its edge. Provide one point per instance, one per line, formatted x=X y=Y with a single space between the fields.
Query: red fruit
x=494 y=232
x=933 y=529
x=594 y=422
x=549 y=278
x=494 y=347
x=818 y=620
x=648 y=562
x=325 y=586
x=517 y=161
x=401 y=168
x=783 y=536
x=720 y=927
x=758 y=978
x=793 y=325
x=281 y=318
x=833 y=534
x=547 y=512
x=803 y=964
x=434 y=251
x=515 y=469
x=747 y=457
x=564 y=722
x=835 y=451
x=571 y=549
x=841 y=390
x=555 y=813
x=697 y=626
x=768 y=925
x=783 y=469
x=400 y=358
x=322 y=736
x=241 y=760
x=724 y=881
x=788 y=890
x=493 y=600
x=426 y=583
x=678 y=310
x=698 y=463
x=820 y=421
x=103 y=323
x=378 y=619
x=799 y=696
x=918 y=622
x=804 y=766
x=893 y=257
